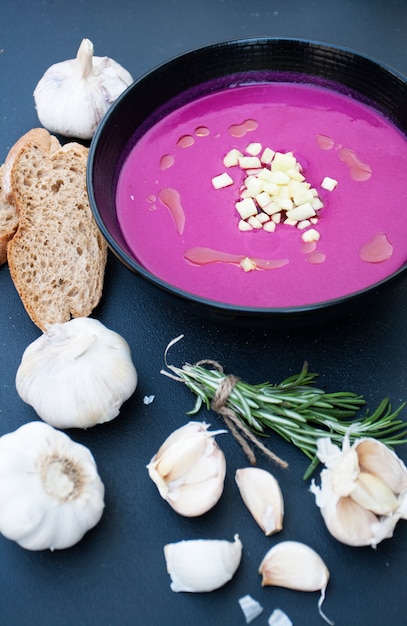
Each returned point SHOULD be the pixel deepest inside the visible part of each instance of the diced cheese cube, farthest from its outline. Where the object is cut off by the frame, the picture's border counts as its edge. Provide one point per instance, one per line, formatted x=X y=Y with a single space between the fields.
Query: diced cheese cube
x=244 y=226
x=271 y=188
x=285 y=204
x=267 y=156
x=271 y=208
x=301 y=212
x=283 y=161
x=270 y=226
x=276 y=217
x=246 y=208
x=290 y=222
x=303 y=195
x=254 y=222
x=263 y=199
x=223 y=180
x=310 y=235
x=279 y=177
x=329 y=183
x=253 y=185
x=294 y=174
x=247 y=264
x=317 y=204
x=263 y=217
x=249 y=162
x=303 y=224
x=232 y=158
x=254 y=148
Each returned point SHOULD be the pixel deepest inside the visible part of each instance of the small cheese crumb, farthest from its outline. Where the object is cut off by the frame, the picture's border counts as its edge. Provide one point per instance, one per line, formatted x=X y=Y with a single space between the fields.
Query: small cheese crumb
x=232 y=158
x=223 y=180
x=329 y=183
x=249 y=162
x=247 y=264
x=310 y=235
x=254 y=148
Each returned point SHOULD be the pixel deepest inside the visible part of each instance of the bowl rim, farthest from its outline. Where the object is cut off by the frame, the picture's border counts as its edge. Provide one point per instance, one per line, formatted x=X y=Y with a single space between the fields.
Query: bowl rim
x=224 y=307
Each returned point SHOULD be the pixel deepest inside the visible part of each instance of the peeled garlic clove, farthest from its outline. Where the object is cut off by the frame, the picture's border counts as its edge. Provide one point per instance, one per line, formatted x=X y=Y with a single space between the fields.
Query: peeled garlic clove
x=262 y=495
x=372 y=494
x=201 y=565
x=189 y=469
x=377 y=459
x=72 y=96
x=294 y=565
x=50 y=490
x=77 y=374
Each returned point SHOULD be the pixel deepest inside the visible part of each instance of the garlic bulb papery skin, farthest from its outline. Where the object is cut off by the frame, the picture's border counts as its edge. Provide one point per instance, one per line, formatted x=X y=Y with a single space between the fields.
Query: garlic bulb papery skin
x=72 y=96
x=363 y=490
x=77 y=374
x=294 y=565
x=50 y=490
x=189 y=469
x=201 y=565
x=262 y=495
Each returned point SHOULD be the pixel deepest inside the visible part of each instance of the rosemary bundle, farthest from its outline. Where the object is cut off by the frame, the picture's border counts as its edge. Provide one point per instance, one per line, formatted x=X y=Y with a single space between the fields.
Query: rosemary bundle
x=295 y=409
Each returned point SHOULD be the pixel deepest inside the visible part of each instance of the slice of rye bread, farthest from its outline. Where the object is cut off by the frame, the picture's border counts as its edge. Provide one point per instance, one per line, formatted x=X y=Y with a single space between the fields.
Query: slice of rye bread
x=57 y=257
x=8 y=212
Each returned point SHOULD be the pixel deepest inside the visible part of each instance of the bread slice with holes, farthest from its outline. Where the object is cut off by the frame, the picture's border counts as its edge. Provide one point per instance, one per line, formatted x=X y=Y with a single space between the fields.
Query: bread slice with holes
x=8 y=212
x=8 y=220
x=57 y=257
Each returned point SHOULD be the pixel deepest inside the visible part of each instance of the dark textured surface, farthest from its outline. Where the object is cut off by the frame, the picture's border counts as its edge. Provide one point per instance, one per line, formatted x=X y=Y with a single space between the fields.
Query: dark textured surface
x=116 y=575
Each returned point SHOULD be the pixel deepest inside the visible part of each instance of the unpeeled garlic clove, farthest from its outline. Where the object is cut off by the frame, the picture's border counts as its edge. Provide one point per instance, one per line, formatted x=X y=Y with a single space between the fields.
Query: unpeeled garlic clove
x=189 y=469
x=200 y=565
x=363 y=491
x=72 y=96
x=294 y=565
x=262 y=495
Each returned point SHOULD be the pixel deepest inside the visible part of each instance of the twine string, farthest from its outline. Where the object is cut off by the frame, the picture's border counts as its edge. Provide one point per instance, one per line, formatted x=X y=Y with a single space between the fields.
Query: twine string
x=238 y=429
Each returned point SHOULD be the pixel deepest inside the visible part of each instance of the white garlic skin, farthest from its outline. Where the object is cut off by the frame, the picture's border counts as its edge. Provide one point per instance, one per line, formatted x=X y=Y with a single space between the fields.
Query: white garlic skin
x=72 y=96
x=363 y=491
x=262 y=495
x=77 y=374
x=189 y=469
x=294 y=565
x=202 y=565
x=50 y=490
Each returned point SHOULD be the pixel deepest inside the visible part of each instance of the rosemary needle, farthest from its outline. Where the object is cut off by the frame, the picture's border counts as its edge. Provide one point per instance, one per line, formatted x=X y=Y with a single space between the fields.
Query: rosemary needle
x=295 y=408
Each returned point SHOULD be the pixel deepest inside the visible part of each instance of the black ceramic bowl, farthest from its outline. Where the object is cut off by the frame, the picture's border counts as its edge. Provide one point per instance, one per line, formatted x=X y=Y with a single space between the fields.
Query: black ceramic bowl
x=186 y=77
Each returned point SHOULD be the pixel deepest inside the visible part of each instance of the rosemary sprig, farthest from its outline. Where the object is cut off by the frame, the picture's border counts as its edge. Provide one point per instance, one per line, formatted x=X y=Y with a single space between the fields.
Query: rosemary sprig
x=295 y=409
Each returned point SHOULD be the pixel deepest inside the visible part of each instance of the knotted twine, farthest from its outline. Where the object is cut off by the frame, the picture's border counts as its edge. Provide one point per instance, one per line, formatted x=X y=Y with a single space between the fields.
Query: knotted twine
x=238 y=429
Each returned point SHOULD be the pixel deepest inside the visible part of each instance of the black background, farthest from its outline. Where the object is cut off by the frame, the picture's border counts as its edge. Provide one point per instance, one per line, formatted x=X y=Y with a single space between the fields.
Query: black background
x=116 y=575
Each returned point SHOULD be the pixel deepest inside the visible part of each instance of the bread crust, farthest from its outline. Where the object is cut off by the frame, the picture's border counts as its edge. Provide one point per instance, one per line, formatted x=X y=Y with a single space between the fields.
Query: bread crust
x=57 y=257
x=8 y=211
x=8 y=221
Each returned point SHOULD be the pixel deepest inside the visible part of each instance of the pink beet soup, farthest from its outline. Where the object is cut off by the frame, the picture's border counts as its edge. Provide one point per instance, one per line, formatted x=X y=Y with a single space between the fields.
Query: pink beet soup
x=183 y=230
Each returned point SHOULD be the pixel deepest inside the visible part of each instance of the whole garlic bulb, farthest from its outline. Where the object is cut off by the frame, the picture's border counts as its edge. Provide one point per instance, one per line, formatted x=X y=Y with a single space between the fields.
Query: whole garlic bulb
x=72 y=96
x=201 y=565
x=189 y=469
x=363 y=491
x=50 y=490
x=77 y=374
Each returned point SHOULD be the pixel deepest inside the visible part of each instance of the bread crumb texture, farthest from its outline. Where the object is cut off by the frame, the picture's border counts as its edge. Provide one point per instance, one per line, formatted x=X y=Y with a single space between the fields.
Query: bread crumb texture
x=57 y=257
